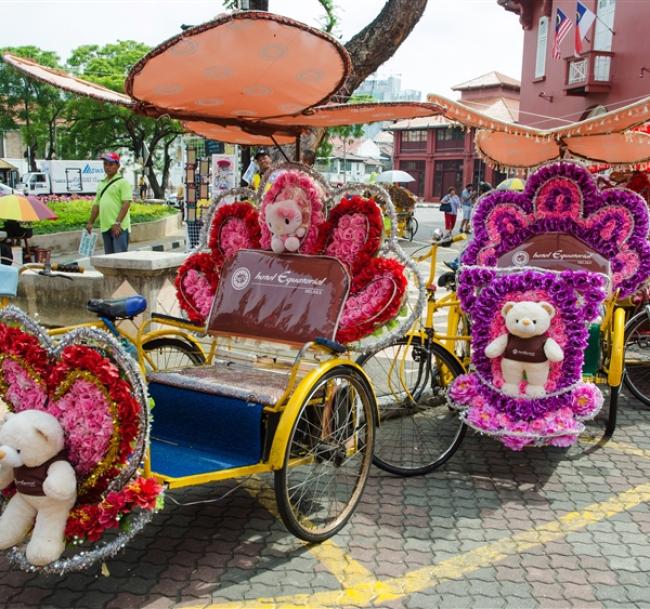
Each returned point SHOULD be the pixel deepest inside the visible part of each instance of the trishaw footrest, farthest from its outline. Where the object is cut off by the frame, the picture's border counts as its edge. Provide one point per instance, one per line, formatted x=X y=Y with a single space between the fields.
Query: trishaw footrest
x=178 y=461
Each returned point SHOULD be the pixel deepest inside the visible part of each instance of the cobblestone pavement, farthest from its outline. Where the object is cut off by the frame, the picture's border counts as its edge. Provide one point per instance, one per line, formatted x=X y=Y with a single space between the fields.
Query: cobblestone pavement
x=541 y=528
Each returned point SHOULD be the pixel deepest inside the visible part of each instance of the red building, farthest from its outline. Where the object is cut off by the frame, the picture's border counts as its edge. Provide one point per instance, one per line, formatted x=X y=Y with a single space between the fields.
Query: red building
x=613 y=69
x=438 y=153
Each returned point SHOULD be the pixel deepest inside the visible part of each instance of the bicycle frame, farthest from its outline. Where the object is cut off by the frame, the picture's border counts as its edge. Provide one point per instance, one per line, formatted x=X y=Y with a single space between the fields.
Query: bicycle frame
x=449 y=301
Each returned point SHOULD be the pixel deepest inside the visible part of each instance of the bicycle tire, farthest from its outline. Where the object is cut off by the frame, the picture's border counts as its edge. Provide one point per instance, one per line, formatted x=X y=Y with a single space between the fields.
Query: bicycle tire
x=418 y=432
x=328 y=456
x=412 y=227
x=165 y=353
x=637 y=357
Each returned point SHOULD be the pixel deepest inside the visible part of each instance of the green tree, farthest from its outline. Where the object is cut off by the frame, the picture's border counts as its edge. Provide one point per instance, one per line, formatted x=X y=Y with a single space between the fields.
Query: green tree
x=27 y=105
x=94 y=126
x=346 y=132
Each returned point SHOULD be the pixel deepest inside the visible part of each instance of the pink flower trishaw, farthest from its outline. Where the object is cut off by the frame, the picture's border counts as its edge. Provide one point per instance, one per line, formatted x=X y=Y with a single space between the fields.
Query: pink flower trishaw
x=287 y=284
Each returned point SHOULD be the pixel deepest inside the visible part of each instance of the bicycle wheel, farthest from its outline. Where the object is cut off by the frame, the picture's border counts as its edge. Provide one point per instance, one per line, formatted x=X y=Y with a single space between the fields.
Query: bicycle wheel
x=418 y=432
x=165 y=353
x=637 y=357
x=328 y=456
x=411 y=227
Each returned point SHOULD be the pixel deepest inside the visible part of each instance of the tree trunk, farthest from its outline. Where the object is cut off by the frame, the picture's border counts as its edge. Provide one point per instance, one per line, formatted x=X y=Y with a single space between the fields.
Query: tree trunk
x=377 y=42
x=371 y=47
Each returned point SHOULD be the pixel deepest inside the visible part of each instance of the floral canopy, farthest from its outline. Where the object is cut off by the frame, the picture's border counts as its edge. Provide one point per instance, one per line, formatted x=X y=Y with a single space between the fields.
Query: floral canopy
x=284 y=74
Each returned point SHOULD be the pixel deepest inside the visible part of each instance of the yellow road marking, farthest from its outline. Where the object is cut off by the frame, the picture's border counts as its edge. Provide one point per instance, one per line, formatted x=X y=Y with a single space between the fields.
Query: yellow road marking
x=337 y=561
x=377 y=591
x=623 y=447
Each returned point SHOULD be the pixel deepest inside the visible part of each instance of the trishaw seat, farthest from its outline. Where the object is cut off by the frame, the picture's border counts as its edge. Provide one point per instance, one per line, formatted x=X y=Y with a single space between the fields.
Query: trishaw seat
x=230 y=379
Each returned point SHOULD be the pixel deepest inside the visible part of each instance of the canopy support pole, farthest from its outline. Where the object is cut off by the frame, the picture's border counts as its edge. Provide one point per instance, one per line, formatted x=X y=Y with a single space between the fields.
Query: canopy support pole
x=286 y=158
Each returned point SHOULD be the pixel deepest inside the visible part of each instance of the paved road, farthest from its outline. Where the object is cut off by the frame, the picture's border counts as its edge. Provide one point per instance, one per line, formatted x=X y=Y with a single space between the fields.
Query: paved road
x=542 y=528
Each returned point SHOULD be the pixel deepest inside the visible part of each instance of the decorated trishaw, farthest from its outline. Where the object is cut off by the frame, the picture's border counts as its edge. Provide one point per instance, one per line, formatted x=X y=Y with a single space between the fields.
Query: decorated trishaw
x=287 y=283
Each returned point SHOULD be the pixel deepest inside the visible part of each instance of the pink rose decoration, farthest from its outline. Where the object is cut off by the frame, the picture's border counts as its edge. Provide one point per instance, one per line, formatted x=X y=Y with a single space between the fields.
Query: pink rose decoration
x=24 y=392
x=88 y=423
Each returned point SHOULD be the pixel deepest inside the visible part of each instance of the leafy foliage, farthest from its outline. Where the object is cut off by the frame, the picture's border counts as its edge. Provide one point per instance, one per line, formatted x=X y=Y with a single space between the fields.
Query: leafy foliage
x=94 y=127
x=30 y=106
x=73 y=215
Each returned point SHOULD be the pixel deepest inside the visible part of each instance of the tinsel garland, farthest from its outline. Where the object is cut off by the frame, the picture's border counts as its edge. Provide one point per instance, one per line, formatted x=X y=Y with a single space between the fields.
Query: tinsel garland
x=85 y=559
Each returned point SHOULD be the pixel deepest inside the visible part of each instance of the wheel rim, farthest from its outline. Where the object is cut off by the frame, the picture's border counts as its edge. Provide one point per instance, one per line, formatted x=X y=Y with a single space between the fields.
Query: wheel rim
x=329 y=455
x=418 y=431
x=637 y=360
x=168 y=353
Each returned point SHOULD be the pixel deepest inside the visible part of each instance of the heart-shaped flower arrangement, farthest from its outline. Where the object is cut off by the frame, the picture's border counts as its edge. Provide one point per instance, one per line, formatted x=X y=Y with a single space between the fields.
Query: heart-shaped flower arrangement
x=94 y=389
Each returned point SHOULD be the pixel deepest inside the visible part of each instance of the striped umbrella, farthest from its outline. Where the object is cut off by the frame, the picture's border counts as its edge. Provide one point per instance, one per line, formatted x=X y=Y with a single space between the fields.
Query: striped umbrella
x=24 y=209
x=512 y=184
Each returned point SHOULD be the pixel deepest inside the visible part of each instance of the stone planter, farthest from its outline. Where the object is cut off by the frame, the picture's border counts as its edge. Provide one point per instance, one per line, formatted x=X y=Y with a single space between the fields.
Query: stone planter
x=144 y=231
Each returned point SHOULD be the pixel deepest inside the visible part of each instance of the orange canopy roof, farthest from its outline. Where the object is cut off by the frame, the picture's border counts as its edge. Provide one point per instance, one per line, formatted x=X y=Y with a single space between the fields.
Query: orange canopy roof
x=254 y=77
x=243 y=65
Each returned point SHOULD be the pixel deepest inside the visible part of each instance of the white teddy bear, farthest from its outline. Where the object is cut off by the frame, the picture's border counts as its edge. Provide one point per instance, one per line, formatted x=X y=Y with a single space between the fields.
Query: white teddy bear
x=285 y=221
x=526 y=348
x=31 y=455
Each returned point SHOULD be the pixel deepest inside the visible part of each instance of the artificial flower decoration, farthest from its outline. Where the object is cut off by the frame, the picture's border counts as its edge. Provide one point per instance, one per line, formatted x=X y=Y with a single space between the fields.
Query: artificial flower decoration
x=554 y=416
x=352 y=233
x=563 y=198
x=501 y=271
x=94 y=390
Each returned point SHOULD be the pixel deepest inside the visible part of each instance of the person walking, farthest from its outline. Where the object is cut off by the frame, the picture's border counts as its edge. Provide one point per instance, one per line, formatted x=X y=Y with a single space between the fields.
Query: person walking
x=467 y=198
x=143 y=188
x=112 y=205
x=449 y=205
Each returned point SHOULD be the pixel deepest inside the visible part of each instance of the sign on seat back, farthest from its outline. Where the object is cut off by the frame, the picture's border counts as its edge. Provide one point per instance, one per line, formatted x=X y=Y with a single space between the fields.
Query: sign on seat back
x=281 y=297
x=557 y=252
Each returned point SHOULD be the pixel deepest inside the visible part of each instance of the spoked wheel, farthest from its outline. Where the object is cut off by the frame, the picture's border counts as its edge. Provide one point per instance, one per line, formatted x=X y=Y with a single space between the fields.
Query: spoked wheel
x=411 y=228
x=418 y=431
x=637 y=357
x=328 y=456
x=166 y=353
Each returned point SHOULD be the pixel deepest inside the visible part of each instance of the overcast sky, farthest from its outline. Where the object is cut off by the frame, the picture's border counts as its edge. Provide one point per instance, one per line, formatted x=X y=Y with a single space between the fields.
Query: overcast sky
x=455 y=41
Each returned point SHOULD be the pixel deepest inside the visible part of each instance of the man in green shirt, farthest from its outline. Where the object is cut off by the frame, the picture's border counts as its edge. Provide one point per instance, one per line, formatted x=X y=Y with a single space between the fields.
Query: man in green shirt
x=112 y=205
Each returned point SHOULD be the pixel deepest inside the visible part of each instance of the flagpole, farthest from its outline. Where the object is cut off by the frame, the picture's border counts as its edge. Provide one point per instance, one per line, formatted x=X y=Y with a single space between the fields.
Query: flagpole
x=609 y=28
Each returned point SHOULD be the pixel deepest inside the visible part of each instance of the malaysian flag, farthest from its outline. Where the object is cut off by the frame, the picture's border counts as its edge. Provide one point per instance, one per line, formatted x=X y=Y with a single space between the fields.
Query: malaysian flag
x=562 y=27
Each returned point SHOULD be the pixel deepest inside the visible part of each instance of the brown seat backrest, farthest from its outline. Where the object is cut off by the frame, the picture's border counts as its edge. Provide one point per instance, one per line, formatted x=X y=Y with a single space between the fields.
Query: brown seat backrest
x=555 y=251
x=289 y=298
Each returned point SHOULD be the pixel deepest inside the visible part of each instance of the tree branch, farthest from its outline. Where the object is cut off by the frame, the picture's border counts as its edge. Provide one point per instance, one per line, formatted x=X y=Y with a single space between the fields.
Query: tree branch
x=378 y=41
x=330 y=15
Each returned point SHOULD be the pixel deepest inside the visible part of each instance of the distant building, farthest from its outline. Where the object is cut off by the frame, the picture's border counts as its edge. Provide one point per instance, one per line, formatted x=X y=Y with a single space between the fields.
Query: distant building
x=387 y=89
x=439 y=153
x=351 y=161
x=613 y=69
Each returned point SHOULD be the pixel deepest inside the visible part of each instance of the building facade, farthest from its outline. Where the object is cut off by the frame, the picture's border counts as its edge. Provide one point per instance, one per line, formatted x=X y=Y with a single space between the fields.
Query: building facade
x=439 y=153
x=612 y=71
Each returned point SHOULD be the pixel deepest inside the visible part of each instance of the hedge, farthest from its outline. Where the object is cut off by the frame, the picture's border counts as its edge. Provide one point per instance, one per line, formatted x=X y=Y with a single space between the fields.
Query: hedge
x=73 y=215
